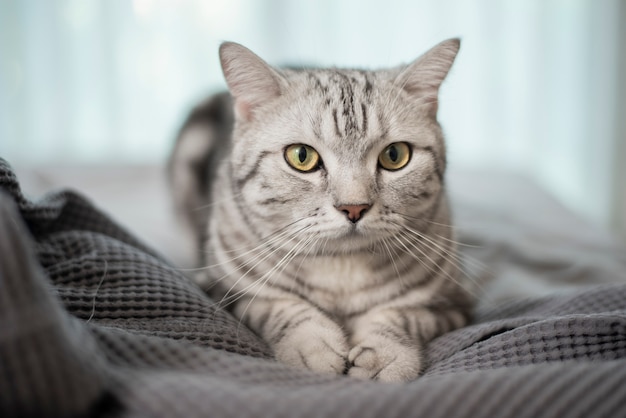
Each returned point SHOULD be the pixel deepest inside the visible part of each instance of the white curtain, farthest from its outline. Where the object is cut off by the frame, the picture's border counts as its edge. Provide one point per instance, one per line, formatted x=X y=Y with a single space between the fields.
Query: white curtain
x=533 y=90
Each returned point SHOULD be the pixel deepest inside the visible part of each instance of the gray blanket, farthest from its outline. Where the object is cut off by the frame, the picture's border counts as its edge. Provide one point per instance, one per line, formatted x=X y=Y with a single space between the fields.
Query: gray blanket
x=95 y=323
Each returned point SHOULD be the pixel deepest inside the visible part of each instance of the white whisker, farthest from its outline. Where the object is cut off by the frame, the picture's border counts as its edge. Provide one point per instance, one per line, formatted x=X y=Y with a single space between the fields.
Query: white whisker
x=439 y=267
x=229 y=297
x=218 y=201
x=278 y=268
x=459 y=243
x=440 y=249
x=391 y=257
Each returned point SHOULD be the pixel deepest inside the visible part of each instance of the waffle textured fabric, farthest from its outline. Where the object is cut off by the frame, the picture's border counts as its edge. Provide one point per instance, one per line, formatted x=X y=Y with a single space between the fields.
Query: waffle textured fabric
x=95 y=323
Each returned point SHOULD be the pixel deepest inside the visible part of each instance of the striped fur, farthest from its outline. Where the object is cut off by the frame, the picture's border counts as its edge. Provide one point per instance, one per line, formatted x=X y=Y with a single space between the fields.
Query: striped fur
x=329 y=294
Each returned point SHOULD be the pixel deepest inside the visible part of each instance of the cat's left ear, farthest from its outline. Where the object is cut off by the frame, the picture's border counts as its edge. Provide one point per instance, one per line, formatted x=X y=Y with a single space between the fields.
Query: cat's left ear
x=251 y=81
x=423 y=77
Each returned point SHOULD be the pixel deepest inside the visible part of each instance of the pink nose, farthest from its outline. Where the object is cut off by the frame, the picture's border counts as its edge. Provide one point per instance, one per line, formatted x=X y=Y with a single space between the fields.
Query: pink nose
x=353 y=212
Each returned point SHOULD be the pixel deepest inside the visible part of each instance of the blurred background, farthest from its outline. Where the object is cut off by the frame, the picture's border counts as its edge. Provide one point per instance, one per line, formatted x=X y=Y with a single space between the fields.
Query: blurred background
x=538 y=87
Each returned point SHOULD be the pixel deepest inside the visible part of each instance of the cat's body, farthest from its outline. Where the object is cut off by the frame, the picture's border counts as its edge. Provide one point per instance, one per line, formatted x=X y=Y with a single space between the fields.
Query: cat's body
x=329 y=229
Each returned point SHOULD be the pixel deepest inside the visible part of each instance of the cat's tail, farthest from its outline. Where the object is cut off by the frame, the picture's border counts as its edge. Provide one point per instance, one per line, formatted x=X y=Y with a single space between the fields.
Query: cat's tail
x=202 y=141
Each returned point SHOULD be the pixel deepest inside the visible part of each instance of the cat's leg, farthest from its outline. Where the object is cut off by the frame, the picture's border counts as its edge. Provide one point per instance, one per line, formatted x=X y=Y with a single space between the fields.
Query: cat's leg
x=388 y=344
x=299 y=333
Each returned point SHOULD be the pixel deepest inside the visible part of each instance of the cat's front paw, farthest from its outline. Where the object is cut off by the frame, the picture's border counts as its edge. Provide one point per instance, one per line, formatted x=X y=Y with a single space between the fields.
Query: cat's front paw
x=385 y=359
x=320 y=346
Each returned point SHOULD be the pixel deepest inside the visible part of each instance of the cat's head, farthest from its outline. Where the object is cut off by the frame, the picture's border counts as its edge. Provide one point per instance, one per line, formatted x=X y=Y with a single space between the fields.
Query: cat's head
x=344 y=157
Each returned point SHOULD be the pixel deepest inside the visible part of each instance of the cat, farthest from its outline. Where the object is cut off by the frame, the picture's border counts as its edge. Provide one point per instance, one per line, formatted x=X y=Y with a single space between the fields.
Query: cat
x=317 y=198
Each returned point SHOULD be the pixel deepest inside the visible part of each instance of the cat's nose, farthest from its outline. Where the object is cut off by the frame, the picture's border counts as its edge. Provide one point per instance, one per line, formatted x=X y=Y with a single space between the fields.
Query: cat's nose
x=353 y=212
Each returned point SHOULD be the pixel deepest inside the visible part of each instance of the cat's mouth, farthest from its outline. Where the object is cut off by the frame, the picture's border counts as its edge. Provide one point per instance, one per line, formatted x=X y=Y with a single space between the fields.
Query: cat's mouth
x=347 y=239
x=354 y=234
x=352 y=230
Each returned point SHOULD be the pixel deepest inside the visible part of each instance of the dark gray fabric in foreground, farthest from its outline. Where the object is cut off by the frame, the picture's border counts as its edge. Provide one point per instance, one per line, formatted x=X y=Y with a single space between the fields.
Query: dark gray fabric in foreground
x=94 y=323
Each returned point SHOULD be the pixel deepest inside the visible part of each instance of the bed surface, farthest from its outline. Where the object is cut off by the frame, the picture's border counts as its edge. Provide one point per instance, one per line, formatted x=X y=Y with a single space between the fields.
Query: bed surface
x=98 y=319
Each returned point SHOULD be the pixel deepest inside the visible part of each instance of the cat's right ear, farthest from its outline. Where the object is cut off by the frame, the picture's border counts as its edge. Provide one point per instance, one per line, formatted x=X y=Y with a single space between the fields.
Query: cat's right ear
x=251 y=81
x=423 y=77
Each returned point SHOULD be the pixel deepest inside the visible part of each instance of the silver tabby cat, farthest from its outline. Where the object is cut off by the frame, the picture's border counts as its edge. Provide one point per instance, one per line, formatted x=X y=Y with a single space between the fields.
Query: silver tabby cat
x=317 y=199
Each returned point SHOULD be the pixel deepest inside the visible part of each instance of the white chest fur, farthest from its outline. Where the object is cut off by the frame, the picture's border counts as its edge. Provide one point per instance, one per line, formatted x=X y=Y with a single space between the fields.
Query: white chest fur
x=339 y=284
x=342 y=273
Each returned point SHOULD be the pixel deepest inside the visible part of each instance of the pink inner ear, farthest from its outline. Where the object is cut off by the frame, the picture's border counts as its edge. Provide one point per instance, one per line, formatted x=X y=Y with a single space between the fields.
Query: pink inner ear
x=243 y=109
x=427 y=96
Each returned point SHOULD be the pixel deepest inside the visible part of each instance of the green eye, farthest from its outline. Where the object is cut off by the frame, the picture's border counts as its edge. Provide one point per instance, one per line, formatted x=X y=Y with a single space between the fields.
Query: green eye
x=395 y=156
x=302 y=157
